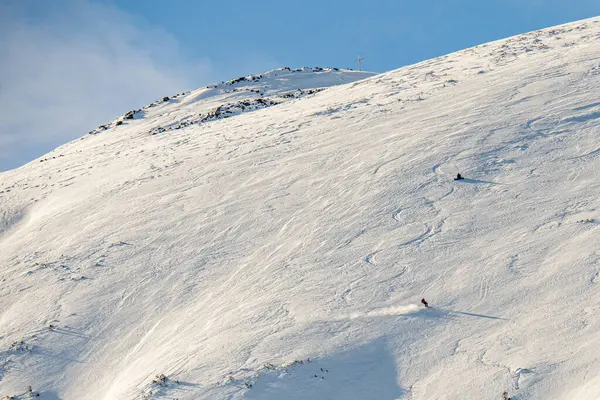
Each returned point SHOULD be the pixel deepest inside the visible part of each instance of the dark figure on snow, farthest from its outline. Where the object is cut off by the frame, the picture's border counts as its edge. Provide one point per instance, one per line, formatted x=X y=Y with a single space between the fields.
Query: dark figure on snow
x=458 y=177
x=425 y=303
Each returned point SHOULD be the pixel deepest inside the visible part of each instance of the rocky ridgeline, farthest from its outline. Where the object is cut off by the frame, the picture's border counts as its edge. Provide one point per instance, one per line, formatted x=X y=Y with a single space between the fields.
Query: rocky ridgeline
x=133 y=114
x=276 y=72
x=232 y=109
x=226 y=110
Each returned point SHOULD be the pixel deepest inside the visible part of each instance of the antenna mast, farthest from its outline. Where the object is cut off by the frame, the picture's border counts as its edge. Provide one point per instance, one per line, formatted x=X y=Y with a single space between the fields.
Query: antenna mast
x=358 y=60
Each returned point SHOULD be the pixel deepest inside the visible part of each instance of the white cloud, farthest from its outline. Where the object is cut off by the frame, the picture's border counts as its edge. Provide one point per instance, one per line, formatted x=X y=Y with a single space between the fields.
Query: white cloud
x=66 y=71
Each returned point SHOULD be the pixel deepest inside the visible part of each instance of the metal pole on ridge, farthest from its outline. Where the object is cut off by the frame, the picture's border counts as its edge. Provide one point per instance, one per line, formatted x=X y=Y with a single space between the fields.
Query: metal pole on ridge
x=358 y=60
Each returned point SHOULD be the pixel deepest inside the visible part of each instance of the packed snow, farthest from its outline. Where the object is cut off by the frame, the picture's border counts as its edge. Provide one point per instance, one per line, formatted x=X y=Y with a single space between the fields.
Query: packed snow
x=281 y=250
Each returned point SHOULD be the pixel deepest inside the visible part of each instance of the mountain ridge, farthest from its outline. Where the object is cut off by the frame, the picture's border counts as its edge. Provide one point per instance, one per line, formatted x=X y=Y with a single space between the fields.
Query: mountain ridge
x=247 y=93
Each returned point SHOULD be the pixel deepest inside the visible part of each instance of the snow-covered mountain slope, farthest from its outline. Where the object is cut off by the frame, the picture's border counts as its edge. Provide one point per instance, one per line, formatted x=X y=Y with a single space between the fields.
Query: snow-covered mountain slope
x=282 y=253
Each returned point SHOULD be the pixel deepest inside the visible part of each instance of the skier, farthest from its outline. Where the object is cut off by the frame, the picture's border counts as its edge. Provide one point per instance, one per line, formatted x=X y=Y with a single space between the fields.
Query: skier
x=425 y=303
x=458 y=177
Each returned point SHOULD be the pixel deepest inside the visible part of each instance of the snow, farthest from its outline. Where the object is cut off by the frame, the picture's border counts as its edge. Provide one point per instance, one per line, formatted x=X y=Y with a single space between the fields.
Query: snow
x=239 y=257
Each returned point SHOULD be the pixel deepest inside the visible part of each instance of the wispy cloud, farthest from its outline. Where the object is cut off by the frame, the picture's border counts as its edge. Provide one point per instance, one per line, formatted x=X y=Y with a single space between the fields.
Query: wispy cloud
x=68 y=68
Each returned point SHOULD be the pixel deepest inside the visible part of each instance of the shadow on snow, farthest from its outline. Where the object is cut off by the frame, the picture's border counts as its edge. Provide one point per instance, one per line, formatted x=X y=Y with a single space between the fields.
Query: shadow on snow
x=364 y=373
x=477 y=181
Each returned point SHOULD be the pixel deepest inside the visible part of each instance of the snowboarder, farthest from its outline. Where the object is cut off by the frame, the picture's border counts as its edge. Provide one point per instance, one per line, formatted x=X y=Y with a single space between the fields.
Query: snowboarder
x=458 y=177
x=425 y=303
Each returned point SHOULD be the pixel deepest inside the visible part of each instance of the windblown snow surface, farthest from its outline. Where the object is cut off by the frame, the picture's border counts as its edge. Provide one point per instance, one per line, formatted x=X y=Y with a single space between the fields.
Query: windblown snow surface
x=281 y=253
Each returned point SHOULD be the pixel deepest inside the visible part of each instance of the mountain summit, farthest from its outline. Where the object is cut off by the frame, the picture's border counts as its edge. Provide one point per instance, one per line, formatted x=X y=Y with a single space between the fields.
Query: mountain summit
x=266 y=239
x=240 y=95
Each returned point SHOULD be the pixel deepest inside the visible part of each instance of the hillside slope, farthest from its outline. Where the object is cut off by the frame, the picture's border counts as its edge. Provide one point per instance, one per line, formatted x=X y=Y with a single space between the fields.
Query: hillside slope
x=282 y=253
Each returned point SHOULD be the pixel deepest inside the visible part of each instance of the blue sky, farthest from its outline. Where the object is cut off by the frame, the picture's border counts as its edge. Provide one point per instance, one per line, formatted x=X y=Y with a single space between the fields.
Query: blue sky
x=69 y=65
x=389 y=33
